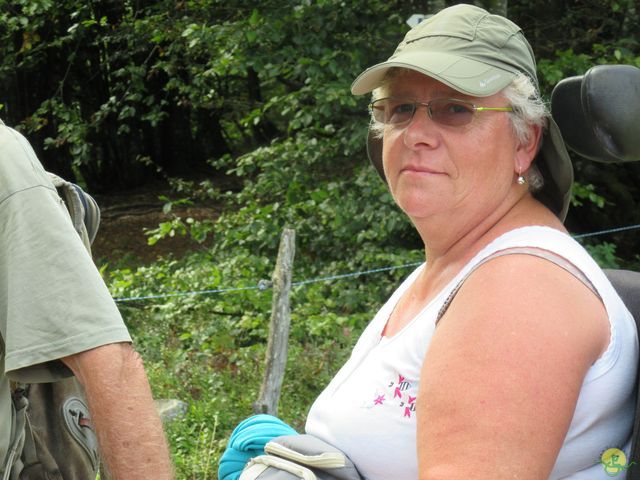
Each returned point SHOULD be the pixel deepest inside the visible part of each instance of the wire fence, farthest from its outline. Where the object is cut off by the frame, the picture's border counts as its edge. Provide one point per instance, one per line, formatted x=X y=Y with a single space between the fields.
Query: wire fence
x=266 y=284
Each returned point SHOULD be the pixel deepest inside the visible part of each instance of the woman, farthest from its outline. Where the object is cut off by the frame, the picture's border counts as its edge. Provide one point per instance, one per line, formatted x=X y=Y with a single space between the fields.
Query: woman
x=507 y=354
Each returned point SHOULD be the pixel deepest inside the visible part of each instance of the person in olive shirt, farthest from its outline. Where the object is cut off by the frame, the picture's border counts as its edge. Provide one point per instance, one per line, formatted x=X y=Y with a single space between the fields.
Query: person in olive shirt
x=57 y=318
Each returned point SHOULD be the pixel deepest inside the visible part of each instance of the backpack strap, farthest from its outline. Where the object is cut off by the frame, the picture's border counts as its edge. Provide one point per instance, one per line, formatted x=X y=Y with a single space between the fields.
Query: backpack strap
x=537 y=252
x=14 y=464
x=83 y=209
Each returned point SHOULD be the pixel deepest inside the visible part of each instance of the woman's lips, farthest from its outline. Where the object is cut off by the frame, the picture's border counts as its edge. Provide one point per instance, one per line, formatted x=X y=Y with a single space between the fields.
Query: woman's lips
x=420 y=169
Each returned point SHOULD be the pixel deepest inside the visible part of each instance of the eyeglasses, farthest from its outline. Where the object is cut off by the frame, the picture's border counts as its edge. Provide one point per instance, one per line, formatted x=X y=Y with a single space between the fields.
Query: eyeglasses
x=445 y=111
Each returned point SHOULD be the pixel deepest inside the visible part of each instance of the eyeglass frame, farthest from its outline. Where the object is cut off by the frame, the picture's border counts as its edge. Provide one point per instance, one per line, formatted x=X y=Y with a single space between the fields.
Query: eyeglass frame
x=415 y=104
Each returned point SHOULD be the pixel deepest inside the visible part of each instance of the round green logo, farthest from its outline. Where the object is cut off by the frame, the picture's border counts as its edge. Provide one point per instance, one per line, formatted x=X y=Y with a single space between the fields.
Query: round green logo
x=614 y=461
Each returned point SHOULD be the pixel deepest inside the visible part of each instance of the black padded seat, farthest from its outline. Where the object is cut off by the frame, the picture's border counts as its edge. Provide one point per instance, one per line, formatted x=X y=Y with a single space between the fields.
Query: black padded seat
x=627 y=284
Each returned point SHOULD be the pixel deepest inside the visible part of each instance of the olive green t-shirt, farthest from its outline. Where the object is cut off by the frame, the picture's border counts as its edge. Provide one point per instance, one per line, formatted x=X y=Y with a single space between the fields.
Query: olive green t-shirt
x=53 y=302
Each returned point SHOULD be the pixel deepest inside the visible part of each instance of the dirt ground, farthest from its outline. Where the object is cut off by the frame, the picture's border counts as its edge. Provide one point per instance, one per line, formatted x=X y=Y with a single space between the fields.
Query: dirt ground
x=126 y=215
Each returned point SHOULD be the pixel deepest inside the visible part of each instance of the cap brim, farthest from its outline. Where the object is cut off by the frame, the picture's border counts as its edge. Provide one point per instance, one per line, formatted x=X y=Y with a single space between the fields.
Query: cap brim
x=467 y=76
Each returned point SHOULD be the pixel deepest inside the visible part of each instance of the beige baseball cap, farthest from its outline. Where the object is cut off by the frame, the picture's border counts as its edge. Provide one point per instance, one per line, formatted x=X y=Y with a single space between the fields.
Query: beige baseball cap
x=478 y=54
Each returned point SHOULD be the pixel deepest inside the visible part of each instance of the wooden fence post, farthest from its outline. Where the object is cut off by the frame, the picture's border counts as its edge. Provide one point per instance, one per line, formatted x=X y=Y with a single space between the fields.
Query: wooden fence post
x=277 y=346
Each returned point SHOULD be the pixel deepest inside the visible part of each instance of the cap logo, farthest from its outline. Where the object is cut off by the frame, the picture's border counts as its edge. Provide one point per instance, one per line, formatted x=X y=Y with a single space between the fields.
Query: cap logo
x=487 y=81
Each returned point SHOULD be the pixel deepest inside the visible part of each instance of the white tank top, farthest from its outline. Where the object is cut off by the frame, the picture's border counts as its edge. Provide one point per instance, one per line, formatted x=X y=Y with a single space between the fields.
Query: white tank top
x=368 y=409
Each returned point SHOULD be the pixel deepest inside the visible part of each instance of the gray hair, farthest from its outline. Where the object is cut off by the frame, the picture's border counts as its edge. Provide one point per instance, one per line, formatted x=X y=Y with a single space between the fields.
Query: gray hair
x=529 y=109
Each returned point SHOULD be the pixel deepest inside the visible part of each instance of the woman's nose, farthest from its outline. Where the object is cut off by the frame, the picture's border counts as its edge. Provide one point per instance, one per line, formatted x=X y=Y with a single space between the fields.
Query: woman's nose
x=420 y=128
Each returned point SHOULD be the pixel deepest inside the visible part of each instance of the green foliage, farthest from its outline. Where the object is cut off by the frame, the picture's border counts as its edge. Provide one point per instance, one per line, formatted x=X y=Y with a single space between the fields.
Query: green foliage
x=567 y=63
x=198 y=230
x=581 y=193
x=208 y=349
x=185 y=73
x=605 y=254
x=257 y=95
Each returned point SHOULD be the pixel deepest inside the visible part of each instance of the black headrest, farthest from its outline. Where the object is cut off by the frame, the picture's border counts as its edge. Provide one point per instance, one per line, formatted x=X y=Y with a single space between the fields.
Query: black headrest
x=627 y=284
x=599 y=113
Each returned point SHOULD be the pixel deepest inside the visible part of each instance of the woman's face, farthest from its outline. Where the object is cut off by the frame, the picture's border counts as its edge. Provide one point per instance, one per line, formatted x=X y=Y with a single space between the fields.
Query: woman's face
x=433 y=168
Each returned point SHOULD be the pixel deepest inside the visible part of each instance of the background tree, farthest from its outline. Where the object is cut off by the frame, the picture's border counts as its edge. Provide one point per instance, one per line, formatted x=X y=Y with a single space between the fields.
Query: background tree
x=114 y=93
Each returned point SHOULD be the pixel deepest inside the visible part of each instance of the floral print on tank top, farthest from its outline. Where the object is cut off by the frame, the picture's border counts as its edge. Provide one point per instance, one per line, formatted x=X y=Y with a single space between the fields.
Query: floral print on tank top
x=400 y=393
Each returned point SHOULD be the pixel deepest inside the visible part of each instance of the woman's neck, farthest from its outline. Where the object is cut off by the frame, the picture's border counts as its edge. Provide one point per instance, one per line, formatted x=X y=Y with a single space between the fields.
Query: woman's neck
x=452 y=241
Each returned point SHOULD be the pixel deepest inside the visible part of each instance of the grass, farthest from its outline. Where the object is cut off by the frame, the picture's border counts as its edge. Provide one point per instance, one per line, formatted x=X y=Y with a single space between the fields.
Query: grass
x=209 y=350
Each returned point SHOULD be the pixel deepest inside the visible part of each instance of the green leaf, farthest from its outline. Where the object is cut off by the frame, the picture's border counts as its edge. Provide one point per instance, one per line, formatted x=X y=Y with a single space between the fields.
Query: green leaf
x=254 y=19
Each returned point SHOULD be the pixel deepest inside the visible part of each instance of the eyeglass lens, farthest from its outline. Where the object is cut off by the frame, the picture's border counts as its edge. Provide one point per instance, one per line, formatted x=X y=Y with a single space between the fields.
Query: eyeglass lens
x=446 y=111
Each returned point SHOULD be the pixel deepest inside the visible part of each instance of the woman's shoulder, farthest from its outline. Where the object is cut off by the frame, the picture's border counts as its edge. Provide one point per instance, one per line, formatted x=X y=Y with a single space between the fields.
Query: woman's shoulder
x=551 y=244
x=545 y=243
x=540 y=236
x=557 y=268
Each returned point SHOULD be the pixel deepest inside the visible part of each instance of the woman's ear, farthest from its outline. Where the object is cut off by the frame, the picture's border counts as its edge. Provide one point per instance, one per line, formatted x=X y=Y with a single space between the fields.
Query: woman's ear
x=527 y=151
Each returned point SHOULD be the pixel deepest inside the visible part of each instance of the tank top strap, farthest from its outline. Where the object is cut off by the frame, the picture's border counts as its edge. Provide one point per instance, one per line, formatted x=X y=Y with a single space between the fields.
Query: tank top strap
x=535 y=251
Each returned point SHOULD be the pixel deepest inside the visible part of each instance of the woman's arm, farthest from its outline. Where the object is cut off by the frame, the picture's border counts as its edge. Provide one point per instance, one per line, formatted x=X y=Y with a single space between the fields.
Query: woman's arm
x=502 y=375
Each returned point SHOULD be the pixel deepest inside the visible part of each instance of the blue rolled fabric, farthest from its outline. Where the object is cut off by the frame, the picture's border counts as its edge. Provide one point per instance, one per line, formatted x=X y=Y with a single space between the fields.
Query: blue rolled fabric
x=247 y=441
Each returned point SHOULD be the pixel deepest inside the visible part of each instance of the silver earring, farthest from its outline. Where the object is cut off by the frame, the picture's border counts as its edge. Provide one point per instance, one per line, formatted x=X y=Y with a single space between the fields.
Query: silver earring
x=521 y=180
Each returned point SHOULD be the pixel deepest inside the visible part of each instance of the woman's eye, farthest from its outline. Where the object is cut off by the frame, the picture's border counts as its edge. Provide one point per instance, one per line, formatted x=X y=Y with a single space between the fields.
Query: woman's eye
x=403 y=108
x=401 y=112
x=451 y=112
x=456 y=108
